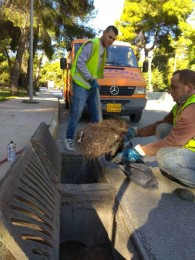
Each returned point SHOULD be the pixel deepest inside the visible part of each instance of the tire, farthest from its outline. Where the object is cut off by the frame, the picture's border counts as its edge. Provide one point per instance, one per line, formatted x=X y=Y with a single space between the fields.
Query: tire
x=135 y=118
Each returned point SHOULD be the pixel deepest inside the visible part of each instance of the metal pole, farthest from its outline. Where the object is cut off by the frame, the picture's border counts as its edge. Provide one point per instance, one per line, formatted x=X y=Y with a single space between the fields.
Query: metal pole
x=31 y=51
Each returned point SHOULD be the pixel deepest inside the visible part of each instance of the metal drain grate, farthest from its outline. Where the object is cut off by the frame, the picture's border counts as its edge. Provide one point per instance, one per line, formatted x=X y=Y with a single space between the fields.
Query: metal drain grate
x=48 y=151
x=30 y=210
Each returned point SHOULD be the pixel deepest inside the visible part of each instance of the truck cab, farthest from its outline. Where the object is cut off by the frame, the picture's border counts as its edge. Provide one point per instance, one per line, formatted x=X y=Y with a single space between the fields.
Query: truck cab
x=122 y=89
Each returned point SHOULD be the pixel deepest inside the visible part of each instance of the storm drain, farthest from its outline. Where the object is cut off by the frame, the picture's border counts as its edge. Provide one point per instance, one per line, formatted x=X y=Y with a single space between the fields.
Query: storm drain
x=58 y=206
x=29 y=204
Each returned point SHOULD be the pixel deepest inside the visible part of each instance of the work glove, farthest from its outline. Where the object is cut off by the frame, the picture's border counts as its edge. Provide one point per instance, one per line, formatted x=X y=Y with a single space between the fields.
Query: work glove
x=129 y=155
x=94 y=84
x=132 y=132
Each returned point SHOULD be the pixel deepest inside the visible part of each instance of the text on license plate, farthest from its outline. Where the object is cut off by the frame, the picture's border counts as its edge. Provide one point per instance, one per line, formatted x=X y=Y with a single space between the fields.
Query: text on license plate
x=113 y=107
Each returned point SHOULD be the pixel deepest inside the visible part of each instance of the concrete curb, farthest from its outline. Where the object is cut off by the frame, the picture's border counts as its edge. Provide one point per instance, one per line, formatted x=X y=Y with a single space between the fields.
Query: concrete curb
x=158 y=95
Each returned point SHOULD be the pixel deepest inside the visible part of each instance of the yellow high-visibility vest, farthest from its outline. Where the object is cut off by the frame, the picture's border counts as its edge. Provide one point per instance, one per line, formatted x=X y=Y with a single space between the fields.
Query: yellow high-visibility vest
x=92 y=64
x=177 y=113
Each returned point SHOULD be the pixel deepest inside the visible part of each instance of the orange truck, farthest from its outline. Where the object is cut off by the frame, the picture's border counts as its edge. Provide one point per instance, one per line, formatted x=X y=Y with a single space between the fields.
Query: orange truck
x=122 y=89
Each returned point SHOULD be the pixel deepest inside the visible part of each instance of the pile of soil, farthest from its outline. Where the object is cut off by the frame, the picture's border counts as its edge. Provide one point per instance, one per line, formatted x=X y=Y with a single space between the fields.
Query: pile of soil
x=99 y=139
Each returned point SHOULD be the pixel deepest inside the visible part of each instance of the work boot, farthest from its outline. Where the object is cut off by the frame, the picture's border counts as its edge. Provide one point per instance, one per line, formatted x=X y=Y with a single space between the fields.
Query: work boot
x=69 y=144
x=185 y=194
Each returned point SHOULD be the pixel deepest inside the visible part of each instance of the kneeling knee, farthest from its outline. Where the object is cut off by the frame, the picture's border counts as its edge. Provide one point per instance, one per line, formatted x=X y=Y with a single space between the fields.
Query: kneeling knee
x=163 y=158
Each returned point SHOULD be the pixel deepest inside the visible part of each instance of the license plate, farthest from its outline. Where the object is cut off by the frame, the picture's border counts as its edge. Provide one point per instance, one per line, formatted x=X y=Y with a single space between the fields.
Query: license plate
x=113 y=107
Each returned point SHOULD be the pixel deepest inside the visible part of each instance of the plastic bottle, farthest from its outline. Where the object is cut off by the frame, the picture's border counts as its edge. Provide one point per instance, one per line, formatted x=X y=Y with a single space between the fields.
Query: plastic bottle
x=11 y=152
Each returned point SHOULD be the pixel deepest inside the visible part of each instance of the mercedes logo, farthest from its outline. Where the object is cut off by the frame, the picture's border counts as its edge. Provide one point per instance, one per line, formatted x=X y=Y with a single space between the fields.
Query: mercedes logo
x=114 y=90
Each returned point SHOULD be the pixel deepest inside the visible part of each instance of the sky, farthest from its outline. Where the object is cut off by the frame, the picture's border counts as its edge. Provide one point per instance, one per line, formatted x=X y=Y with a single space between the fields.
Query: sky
x=108 y=12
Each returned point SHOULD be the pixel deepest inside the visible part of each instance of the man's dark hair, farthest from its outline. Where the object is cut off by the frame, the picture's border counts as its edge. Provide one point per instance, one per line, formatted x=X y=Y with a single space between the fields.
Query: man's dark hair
x=186 y=76
x=113 y=28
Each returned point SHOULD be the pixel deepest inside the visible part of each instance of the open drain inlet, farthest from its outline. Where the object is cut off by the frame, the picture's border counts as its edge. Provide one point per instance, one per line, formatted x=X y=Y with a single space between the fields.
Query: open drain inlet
x=82 y=233
x=86 y=222
x=78 y=170
x=90 y=227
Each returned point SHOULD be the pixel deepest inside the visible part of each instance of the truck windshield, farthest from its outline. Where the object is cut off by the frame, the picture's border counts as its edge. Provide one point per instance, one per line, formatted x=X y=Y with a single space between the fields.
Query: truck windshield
x=117 y=55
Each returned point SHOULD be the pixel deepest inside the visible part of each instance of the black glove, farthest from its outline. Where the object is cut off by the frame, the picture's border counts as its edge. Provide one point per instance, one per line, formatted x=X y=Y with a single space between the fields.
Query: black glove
x=94 y=83
x=132 y=132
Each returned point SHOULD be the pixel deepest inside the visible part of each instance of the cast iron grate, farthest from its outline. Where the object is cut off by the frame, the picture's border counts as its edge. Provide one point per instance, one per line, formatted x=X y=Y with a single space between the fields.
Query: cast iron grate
x=48 y=151
x=30 y=206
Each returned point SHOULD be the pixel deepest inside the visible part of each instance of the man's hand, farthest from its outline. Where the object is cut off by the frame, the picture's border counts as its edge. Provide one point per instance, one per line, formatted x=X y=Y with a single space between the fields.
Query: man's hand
x=129 y=155
x=94 y=83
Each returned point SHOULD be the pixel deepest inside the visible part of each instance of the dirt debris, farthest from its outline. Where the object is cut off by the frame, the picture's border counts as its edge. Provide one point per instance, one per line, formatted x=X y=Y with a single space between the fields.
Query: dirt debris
x=95 y=140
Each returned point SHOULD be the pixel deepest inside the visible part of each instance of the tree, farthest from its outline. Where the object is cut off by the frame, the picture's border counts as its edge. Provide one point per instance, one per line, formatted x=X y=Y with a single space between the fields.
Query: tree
x=55 y=22
x=151 y=25
x=9 y=38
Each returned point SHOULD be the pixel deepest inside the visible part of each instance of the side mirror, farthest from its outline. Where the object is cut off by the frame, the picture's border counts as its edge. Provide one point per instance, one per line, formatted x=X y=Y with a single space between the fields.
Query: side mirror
x=63 y=63
x=145 y=66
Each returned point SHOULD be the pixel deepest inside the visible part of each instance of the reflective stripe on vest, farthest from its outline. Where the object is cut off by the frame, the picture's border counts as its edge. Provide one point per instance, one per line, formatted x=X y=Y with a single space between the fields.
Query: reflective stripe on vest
x=92 y=64
x=177 y=112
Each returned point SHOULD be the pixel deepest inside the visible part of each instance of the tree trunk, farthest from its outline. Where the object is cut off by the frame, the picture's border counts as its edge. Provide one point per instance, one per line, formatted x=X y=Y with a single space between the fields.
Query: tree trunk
x=150 y=58
x=38 y=70
x=27 y=83
x=27 y=78
x=18 y=61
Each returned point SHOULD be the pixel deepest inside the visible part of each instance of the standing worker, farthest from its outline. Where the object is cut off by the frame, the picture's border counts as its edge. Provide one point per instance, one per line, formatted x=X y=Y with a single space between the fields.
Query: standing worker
x=87 y=67
x=175 y=149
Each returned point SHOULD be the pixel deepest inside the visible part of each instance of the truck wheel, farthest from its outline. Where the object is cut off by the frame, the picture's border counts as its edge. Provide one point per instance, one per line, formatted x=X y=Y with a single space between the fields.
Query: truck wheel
x=135 y=118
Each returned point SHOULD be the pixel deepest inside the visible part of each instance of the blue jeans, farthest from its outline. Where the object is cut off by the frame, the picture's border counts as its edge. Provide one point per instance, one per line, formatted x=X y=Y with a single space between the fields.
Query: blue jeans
x=81 y=97
x=177 y=162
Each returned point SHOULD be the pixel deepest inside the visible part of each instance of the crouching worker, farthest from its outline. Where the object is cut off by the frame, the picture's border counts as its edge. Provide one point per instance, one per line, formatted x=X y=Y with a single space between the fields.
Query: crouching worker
x=175 y=149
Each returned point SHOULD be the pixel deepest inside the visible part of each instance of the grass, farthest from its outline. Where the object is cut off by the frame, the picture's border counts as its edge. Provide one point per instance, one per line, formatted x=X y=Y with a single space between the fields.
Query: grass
x=6 y=95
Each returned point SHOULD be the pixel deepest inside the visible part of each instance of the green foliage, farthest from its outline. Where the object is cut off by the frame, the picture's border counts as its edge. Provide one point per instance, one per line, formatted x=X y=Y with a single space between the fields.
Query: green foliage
x=5 y=94
x=161 y=26
x=55 y=24
x=144 y=22
x=157 y=81
x=2 y=57
x=4 y=75
x=10 y=34
x=51 y=71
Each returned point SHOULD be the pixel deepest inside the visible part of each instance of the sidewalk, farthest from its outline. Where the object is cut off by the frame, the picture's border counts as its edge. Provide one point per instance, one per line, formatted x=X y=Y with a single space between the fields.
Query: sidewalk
x=19 y=119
